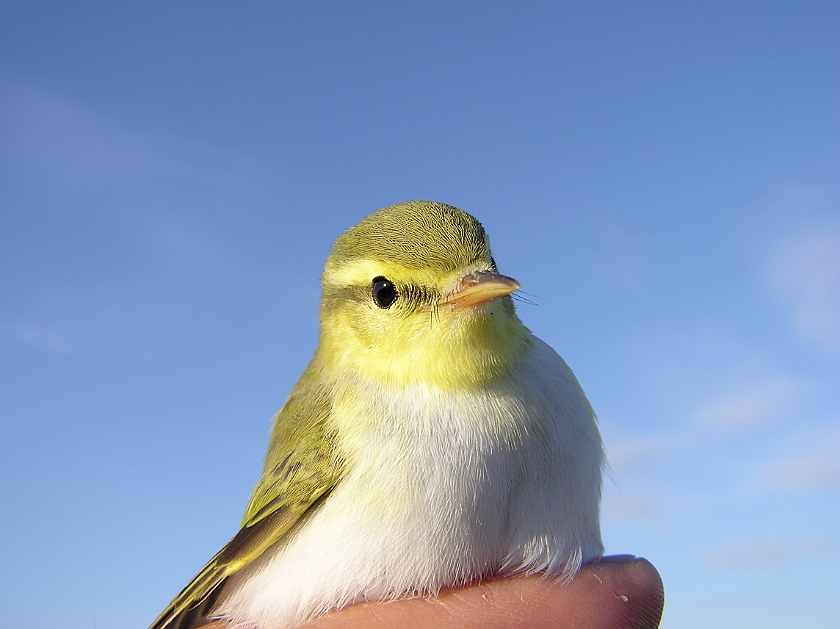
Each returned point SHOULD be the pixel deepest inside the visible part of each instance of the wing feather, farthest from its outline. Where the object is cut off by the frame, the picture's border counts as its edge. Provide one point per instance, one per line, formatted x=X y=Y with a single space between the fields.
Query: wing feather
x=301 y=466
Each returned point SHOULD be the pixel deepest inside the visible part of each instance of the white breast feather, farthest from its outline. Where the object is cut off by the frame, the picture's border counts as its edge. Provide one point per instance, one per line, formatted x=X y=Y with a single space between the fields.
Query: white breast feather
x=451 y=488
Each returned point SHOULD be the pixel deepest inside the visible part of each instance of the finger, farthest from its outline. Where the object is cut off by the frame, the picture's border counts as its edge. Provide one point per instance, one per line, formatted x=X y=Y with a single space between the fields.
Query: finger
x=616 y=593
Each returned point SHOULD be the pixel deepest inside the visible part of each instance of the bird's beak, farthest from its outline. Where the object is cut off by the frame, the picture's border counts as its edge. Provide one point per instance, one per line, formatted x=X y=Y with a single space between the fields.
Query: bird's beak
x=477 y=288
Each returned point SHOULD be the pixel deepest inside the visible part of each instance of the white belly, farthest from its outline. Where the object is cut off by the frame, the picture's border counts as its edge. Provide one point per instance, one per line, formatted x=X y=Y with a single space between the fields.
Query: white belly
x=441 y=489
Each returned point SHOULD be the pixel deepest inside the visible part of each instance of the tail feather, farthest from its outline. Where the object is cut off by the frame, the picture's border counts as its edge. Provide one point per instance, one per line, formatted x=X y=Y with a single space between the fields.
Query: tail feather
x=192 y=607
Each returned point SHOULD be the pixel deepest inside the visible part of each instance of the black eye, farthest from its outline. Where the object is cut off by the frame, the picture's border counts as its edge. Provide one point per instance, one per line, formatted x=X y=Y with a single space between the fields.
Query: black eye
x=384 y=292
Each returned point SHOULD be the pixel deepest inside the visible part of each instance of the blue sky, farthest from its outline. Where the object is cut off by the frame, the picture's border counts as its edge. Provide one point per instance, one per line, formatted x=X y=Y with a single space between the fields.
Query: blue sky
x=663 y=178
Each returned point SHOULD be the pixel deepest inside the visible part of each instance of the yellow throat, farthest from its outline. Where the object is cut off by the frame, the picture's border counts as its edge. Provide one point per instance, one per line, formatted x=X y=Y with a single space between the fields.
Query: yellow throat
x=400 y=300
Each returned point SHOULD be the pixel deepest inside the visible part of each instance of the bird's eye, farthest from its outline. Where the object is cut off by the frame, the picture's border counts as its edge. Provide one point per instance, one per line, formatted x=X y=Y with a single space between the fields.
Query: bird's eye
x=384 y=292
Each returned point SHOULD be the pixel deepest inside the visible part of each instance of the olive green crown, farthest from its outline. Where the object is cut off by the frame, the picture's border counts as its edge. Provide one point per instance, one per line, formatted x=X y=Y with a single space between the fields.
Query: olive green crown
x=415 y=234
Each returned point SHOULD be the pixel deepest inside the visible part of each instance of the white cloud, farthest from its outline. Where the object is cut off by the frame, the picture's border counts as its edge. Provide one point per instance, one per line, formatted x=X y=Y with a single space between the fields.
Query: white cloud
x=637 y=507
x=68 y=143
x=623 y=257
x=630 y=451
x=806 y=474
x=751 y=407
x=805 y=276
x=766 y=554
x=808 y=461
x=145 y=245
x=38 y=336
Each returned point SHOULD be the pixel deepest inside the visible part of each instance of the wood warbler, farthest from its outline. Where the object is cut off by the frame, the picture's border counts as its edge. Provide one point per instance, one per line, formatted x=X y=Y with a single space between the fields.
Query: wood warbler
x=431 y=442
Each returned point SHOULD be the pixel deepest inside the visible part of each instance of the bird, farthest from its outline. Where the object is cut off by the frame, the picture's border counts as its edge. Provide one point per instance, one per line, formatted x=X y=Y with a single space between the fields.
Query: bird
x=433 y=441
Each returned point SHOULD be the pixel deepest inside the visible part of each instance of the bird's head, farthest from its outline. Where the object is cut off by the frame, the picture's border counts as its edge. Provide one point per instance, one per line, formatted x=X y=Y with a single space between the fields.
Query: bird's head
x=411 y=294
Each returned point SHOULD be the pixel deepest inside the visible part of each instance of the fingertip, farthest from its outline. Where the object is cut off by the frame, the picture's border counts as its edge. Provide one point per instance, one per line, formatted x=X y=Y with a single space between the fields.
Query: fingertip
x=650 y=595
x=634 y=583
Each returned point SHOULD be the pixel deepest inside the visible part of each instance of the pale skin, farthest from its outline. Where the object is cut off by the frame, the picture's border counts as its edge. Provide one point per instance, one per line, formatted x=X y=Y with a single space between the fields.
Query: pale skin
x=619 y=592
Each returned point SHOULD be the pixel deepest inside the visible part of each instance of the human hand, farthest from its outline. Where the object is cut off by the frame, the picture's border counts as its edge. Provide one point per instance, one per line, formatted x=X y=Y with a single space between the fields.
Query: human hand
x=619 y=592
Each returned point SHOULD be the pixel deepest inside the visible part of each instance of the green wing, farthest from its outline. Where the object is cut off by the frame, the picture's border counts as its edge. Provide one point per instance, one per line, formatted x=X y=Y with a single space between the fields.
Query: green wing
x=301 y=467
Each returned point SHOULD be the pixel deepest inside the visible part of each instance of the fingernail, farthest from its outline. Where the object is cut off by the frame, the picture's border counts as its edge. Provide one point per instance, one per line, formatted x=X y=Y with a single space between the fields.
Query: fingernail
x=618 y=559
